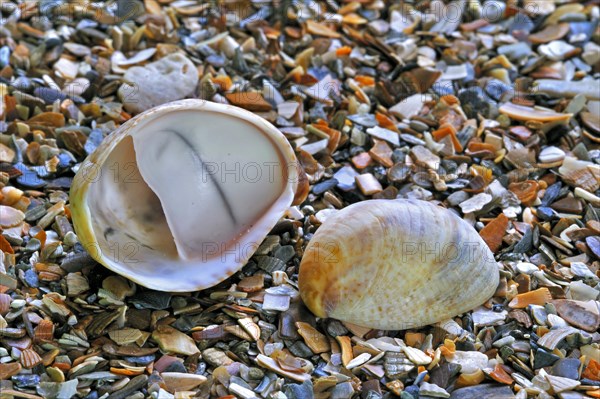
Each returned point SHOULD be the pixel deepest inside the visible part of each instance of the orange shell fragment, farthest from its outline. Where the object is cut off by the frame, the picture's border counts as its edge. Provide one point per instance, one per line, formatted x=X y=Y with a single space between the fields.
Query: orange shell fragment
x=538 y=297
x=493 y=232
x=445 y=130
x=317 y=28
x=526 y=191
x=592 y=371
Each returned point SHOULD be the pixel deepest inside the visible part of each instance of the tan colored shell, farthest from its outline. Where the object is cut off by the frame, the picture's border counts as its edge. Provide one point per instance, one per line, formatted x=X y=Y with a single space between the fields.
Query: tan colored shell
x=396 y=264
x=146 y=205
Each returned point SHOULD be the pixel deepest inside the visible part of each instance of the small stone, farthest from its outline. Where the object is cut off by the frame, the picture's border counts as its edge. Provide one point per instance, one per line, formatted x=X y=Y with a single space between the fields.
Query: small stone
x=580 y=291
x=315 y=147
x=182 y=381
x=171 y=340
x=252 y=101
x=215 y=357
x=545 y=213
x=362 y=160
x=66 y=68
x=416 y=356
x=76 y=284
x=494 y=231
x=7 y=370
x=544 y=359
x=321 y=187
x=242 y=392
x=432 y=390
x=515 y=51
x=476 y=101
x=475 y=203
x=299 y=391
x=119 y=287
x=508 y=340
x=527 y=268
x=368 y=184
x=560 y=384
x=551 y=154
x=382 y=153
x=567 y=368
x=171 y=78
x=343 y=390
x=568 y=205
x=556 y=50
x=579 y=314
x=470 y=362
x=593 y=243
x=410 y=106
x=285 y=253
x=384 y=134
x=26 y=380
x=424 y=157
x=483 y=391
x=136 y=383
x=379 y=27
x=125 y=336
x=6 y=154
x=315 y=340
x=346 y=178
x=483 y=317
x=442 y=375
x=63 y=390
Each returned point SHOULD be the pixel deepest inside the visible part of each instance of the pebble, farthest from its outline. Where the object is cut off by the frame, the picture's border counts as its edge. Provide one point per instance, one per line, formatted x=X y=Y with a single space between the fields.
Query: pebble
x=279 y=303
x=578 y=314
x=171 y=340
x=6 y=154
x=593 y=243
x=516 y=51
x=567 y=368
x=368 y=184
x=343 y=390
x=483 y=391
x=551 y=154
x=135 y=384
x=433 y=390
x=475 y=203
x=470 y=362
x=543 y=358
x=484 y=317
x=476 y=101
x=410 y=106
x=384 y=134
x=182 y=381
x=346 y=178
x=171 y=78
x=26 y=380
x=424 y=157
x=444 y=374
x=323 y=186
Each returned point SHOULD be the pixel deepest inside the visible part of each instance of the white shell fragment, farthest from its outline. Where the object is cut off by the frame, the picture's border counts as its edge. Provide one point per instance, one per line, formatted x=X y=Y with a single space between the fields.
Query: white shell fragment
x=180 y=197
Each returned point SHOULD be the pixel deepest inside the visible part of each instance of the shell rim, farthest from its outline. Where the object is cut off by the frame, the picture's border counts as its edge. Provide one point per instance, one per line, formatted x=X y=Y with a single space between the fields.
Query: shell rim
x=81 y=215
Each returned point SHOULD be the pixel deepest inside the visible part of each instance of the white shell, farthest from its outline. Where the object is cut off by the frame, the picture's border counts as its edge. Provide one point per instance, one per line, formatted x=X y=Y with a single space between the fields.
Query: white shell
x=179 y=197
x=395 y=265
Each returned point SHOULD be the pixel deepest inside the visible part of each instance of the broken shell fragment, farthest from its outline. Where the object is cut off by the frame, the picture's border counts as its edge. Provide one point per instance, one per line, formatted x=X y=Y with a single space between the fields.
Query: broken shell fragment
x=524 y=113
x=396 y=264
x=180 y=197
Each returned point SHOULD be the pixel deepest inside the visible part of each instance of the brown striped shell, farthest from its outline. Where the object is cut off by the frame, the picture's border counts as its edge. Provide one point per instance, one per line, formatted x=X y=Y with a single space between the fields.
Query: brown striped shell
x=44 y=331
x=396 y=264
x=30 y=358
